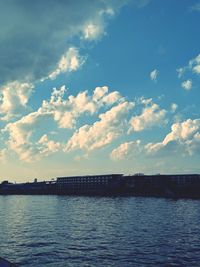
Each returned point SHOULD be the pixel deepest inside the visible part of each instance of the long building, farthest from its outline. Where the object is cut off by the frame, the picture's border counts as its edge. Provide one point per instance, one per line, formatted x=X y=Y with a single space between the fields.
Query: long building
x=168 y=185
x=90 y=184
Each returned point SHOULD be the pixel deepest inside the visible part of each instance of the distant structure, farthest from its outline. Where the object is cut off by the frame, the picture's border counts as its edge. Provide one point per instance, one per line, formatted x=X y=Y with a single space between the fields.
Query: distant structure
x=139 y=184
x=91 y=184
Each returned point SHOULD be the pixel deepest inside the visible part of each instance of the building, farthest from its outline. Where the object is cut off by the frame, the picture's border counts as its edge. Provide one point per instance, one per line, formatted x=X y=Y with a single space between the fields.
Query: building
x=89 y=184
x=158 y=185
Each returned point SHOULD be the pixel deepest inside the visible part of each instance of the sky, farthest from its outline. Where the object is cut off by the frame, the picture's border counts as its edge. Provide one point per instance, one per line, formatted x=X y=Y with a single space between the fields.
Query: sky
x=96 y=87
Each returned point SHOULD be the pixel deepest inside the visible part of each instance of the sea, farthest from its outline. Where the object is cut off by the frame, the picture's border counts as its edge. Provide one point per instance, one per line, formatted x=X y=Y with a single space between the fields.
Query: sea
x=76 y=231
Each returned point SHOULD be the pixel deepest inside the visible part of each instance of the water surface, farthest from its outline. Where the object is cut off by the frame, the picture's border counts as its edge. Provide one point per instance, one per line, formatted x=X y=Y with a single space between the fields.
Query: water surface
x=99 y=231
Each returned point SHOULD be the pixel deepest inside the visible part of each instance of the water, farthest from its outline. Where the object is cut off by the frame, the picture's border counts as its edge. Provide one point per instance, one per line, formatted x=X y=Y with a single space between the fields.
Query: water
x=59 y=231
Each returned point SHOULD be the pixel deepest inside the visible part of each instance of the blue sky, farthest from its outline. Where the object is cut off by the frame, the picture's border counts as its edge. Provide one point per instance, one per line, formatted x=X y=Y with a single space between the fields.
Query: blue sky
x=99 y=87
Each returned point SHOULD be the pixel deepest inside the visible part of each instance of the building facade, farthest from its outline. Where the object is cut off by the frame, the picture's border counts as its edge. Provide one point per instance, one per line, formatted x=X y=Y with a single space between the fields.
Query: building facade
x=89 y=184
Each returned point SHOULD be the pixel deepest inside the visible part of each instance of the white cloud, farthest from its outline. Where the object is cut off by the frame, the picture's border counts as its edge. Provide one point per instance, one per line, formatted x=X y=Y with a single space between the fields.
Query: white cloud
x=14 y=97
x=153 y=148
x=183 y=131
x=20 y=133
x=126 y=150
x=196 y=69
x=66 y=111
x=174 y=107
x=28 y=136
x=99 y=92
x=181 y=72
x=48 y=146
x=184 y=137
x=40 y=32
x=70 y=61
x=145 y=101
x=112 y=98
x=154 y=75
x=101 y=96
x=151 y=115
x=187 y=85
x=92 y=31
x=193 y=67
x=38 y=44
x=110 y=126
x=194 y=64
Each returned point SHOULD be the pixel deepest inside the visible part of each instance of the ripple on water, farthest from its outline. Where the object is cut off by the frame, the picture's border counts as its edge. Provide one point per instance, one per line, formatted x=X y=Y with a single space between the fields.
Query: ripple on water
x=93 y=231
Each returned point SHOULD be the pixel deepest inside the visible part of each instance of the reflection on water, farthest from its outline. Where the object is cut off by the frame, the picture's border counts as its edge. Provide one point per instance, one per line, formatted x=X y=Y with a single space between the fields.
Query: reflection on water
x=96 y=231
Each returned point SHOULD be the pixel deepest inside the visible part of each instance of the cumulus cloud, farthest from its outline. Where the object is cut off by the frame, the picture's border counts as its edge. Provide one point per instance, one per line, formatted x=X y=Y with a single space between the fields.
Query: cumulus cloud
x=92 y=31
x=187 y=85
x=193 y=66
x=101 y=96
x=20 y=133
x=151 y=115
x=154 y=75
x=174 y=107
x=48 y=146
x=184 y=137
x=70 y=61
x=183 y=131
x=14 y=97
x=25 y=136
x=35 y=34
x=66 y=110
x=110 y=126
x=126 y=150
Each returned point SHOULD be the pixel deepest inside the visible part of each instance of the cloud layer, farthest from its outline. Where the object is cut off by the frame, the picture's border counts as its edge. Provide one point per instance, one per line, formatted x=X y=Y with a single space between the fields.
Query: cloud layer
x=184 y=140
x=41 y=40
x=126 y=150
x=36 y=135
x=110 y=126
x=154 y=75
x=28 y=136
x=150 y=116
x=14 y=97
x=35 y=35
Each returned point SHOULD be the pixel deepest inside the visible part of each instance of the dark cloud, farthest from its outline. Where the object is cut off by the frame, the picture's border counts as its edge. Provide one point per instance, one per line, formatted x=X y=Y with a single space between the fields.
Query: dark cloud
x=34 y=34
